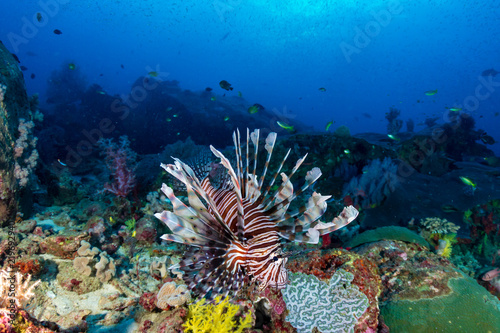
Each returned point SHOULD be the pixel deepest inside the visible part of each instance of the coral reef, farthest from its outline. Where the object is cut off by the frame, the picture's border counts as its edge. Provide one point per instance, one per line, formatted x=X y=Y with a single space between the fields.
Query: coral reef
x=103 y=268
x=467 y=263
x=467 y=308
x=388 y=233
x=65 y=85
x=395 y=124
x=416 y=281
x=484 y=221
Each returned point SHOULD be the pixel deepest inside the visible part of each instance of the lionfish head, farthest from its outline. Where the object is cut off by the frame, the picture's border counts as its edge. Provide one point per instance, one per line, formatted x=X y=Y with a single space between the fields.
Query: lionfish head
x=235 y=226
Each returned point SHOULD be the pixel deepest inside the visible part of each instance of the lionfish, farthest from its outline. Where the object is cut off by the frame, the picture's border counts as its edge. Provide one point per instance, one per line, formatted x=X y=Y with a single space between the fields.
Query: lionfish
x=235 y=226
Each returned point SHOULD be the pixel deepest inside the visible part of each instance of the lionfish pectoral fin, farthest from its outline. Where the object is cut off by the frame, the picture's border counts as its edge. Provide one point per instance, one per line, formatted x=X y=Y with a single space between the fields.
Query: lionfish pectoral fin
x=184 y=232
x=312 y=236
x=195 y=190
x=317 y=228
x=347 y=215
x=173 y=238
x=174 y=266
x=314 y=209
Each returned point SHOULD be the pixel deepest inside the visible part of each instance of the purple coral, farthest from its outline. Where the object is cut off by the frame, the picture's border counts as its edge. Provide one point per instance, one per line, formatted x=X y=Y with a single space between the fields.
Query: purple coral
x=120 y=160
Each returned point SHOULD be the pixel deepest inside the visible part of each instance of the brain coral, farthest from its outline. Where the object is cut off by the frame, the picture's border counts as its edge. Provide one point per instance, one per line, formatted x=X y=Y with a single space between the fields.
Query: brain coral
x=330 y=307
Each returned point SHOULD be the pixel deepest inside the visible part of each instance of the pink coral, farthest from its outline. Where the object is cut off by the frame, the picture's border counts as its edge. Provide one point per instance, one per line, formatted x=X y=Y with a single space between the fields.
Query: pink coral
x=275 y=297
x=5 y=325
x=148 y=301
x=146 y=230
x=119 y=160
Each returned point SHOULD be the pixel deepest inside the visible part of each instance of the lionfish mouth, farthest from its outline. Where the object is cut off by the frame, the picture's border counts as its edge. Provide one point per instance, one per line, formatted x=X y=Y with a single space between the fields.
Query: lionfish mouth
x=236 y=227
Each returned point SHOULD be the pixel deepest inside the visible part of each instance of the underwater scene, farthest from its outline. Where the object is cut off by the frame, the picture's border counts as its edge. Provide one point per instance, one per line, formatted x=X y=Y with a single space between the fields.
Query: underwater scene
x=249 y=166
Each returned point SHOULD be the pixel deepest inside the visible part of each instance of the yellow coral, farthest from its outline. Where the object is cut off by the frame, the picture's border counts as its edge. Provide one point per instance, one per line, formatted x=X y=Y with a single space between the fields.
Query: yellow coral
x=215 y=318
x=445 y=244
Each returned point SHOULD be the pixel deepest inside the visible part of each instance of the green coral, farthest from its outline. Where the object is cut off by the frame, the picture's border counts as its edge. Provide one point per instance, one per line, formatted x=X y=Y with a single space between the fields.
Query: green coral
x=466 y=263
x=331 y=307
x=469 y=308
x=388 y=233
x=130 y=224
x=219 y=317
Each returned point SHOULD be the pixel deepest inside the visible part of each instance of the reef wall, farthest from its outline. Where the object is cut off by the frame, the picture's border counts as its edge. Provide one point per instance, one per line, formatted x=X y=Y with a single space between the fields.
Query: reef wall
x=18 y=154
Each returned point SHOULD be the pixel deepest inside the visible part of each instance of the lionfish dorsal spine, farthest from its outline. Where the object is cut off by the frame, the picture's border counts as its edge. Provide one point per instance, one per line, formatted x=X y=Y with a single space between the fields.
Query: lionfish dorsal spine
x=239 y=161
x=237 y=191
x=273 y=179
x=254 y=137
x=247 y=164
x=252 y=191
x=269 y=146
x=285 y=191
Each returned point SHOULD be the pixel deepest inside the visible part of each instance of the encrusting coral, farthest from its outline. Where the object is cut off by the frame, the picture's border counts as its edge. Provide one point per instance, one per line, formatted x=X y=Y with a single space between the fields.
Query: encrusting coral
x=172 y=294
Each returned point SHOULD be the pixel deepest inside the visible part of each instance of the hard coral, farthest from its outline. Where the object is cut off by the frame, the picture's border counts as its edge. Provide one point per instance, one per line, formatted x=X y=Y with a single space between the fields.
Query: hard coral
x=436 y=225
x=331 y=307
x=324 y=264
x=146 y=230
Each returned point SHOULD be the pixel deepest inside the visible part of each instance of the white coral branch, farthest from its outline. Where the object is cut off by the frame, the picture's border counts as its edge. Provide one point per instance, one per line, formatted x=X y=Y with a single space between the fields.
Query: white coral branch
x=23 y=290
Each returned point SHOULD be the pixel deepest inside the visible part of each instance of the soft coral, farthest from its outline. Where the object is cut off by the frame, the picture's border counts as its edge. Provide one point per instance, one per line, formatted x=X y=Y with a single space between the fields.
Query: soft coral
x=119 y=160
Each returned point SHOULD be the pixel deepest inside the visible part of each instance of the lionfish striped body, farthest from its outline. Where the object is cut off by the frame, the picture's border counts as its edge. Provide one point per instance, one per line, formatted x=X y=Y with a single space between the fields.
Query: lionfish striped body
x=235 y=229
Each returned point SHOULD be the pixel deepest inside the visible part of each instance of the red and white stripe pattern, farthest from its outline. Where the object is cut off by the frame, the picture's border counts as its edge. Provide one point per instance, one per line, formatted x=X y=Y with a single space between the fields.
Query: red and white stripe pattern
x=236 y=229
x=258 y=254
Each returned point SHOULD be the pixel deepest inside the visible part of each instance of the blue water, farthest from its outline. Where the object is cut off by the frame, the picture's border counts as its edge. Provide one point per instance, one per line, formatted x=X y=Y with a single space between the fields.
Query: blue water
x=369 y=55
